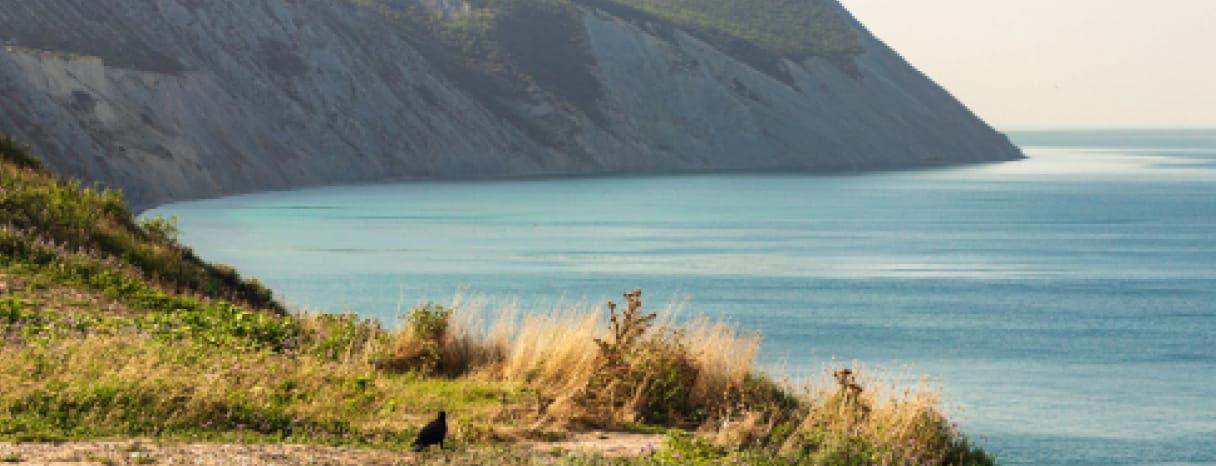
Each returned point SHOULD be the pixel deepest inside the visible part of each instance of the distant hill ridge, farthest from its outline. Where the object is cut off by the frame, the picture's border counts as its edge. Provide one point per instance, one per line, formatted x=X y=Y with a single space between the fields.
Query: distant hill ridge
x=181 y=99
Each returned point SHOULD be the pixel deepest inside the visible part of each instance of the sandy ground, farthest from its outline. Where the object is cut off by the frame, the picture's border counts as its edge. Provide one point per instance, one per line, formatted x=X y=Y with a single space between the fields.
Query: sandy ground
x=611 y=444
x=139 y=452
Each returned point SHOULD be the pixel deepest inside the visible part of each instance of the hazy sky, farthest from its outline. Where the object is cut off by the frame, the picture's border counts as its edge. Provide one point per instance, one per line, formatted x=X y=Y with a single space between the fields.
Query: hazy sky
x=1061 y=63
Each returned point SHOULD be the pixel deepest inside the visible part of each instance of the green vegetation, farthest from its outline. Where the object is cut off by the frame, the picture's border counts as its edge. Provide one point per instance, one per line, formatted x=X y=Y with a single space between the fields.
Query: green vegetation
x=757 y=32
x=86 y=236
x=112 y=329
x=792 y=28
x=17 y=155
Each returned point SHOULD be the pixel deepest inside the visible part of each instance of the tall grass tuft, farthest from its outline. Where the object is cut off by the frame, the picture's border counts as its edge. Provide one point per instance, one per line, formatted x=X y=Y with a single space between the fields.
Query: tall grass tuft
x=635 y=369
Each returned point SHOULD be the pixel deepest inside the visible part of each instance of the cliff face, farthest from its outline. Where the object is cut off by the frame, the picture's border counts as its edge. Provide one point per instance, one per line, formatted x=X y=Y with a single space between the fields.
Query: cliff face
x=179 y=99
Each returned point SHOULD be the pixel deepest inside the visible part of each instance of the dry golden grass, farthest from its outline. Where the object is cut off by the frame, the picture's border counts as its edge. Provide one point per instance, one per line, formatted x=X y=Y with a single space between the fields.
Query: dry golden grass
x=725 y=354
x=856 y=412
x=554 y=353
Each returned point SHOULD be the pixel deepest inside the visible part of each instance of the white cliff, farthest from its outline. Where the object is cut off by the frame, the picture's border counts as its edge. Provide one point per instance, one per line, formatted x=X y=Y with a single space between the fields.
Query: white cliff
x=179 y=99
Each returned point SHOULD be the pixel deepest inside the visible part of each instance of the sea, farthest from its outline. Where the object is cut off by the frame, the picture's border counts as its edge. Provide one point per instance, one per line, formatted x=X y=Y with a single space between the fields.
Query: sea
x=1065 y=304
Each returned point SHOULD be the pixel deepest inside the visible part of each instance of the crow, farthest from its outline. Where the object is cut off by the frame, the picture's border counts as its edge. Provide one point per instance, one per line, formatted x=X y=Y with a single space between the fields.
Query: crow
x=432 y=433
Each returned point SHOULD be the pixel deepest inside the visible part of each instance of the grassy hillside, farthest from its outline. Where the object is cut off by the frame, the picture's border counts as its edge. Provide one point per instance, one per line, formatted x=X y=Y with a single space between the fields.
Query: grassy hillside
x=113 y=329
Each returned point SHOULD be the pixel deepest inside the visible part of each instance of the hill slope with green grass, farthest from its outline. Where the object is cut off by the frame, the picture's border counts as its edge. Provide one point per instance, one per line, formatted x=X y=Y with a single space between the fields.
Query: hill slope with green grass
x=111 y=329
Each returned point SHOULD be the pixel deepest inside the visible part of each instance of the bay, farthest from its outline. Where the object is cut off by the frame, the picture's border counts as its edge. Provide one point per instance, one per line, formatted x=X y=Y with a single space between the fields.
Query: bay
x=1066 y=303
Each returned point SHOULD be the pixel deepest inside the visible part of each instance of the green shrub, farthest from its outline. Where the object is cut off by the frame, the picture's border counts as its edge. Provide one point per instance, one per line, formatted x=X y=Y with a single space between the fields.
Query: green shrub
x=418 y=347
x=642 y=371
x=17 y=154
x=160 y=228
x=427 y=325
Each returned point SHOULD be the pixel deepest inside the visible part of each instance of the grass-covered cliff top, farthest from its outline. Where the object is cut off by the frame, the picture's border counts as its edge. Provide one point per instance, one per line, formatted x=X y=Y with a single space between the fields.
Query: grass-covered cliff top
x=791 y=28
x=111 y=329
x=787 y=28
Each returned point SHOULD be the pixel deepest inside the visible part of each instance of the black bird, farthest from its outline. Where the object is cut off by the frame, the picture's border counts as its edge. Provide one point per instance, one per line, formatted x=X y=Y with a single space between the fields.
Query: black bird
x=432 y=433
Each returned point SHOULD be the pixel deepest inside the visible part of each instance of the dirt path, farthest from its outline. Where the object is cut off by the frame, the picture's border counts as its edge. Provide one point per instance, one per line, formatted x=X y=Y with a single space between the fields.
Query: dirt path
x=143 y=452
x=610 y=444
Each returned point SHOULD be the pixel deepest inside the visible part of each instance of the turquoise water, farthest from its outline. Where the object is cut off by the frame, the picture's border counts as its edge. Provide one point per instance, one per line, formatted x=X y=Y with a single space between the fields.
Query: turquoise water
x=1066 y=303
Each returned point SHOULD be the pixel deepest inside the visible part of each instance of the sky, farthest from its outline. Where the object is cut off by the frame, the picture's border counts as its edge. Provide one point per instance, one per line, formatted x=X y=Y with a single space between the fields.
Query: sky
x=1035 y=64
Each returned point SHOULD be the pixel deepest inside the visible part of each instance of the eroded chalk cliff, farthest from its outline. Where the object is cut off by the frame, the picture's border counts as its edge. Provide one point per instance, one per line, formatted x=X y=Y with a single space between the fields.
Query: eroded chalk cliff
x=180 y=99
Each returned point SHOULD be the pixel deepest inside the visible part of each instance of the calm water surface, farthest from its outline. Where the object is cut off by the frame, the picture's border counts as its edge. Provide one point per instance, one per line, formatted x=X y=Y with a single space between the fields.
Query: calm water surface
x=1066 y=303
